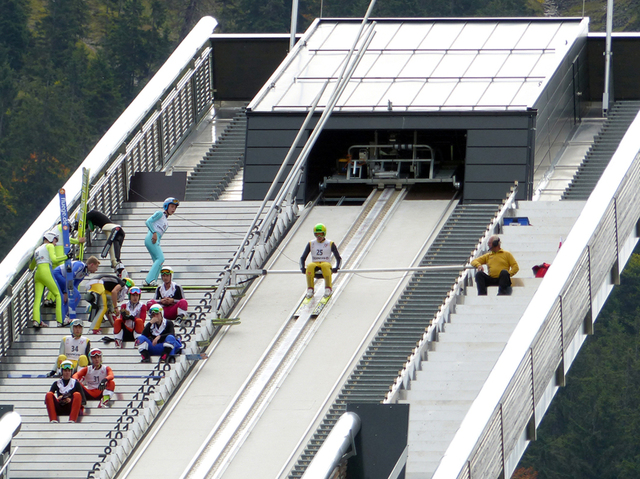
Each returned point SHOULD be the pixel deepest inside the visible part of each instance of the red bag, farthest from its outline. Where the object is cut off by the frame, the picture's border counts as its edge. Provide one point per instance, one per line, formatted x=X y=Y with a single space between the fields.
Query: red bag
x=540 y=270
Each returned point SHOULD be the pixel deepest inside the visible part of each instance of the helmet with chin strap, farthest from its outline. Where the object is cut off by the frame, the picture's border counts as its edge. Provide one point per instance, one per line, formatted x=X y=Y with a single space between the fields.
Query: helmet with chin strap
x=320 y=229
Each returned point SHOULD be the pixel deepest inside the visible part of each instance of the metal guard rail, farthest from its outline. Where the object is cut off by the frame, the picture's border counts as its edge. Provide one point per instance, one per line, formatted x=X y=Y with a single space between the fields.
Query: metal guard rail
x=519 y=389
x=442 y=316
x=143 y=138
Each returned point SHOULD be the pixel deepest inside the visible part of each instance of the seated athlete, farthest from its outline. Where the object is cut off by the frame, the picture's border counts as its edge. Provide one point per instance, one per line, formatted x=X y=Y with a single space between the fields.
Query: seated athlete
x=130 y=324
x=97 y=380
x=66 y=396
x=80 y=271
x=320 y=249
x=74 y=348
x=102 y=304
x=502 y=266
x=158 y=338
x=170 y=296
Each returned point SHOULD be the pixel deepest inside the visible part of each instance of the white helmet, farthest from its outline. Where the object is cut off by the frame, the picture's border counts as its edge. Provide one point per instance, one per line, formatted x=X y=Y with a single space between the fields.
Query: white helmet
x=51 y=235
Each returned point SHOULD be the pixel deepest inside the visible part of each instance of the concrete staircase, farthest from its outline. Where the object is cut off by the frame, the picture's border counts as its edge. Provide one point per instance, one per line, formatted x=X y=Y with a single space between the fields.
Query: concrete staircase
x=219 y=166
x=619 y=118
x=201 y=239
x=467 y=350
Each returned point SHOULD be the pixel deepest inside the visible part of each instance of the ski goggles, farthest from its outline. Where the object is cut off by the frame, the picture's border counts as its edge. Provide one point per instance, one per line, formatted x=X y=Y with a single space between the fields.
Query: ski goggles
x=166 y=271
x=95 y=352
x=66 y=365
x=135 y=291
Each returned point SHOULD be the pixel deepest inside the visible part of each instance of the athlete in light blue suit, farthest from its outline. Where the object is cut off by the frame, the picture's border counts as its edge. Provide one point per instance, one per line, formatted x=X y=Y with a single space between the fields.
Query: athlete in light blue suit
x=157 y=224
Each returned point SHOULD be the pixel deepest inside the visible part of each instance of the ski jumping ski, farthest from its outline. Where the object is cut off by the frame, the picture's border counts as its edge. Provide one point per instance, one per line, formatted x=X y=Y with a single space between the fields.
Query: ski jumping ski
x=82 y=214
x=225 y=321
x=64 y=220
x=196 y=357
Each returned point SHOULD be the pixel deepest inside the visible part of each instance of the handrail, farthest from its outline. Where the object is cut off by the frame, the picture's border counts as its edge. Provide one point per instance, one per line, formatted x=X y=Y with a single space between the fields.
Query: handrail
x=143 y=138
x=335 y=447
x=413 y=361
x=576 y=286
x=10 y=425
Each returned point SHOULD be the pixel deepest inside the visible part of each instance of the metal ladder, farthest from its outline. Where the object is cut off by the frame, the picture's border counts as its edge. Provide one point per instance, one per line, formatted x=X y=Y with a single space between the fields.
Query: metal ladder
x=405 y=325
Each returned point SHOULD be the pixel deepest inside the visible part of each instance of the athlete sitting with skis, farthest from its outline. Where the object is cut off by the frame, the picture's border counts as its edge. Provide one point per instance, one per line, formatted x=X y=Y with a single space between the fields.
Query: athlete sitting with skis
x=113 y=232
x=97 y=380
x=320 y=249
x=170 y=296
x=158 y=338
x=129 y=325
x=74 y=348
x=66 y=396
x=80 y=271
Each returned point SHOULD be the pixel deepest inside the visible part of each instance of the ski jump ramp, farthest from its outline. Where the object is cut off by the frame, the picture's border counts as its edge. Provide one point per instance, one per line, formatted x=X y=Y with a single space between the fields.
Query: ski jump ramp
x=272 y=438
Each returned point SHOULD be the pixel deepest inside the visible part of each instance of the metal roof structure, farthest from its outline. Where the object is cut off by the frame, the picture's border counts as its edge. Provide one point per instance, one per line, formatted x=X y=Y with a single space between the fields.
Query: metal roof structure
x=425 y=64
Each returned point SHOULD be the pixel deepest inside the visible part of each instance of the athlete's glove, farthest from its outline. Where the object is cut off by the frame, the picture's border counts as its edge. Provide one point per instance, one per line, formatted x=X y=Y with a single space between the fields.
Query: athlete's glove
x=51 y=373
x=103 y=385
x=303 y=269
x=334 y=270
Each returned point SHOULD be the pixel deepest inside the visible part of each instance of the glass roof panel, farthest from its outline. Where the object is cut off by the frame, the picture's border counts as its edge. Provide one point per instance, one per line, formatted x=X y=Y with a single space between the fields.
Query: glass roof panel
x=474 y=35
x=538 y=35
x=506 y=35
x=342 y=37
x=367 y=94
x=346 y=94
x=442 y=35
x=401 y=93
x=519 y=65
x=454 y=64
x=301 y=93
x=434 y=93
x=384 y=34
x=409 y=36
x=467 y=93
x=319 y=36
x=323 y=64
x=365 y=64
x=389 y=64
x=499 y=93
x=486 y=65
x=421 y=65
x=527 y=93
x=546 y=62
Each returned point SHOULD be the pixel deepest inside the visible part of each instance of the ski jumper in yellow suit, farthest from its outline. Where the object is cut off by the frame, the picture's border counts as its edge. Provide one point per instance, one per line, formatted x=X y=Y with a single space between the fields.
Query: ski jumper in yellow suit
x=321 y=249
x=42 y=261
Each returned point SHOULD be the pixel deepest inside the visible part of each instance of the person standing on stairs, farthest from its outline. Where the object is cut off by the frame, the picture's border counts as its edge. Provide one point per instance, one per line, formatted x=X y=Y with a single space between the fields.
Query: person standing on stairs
x=502 y=266
x=43 y=258
x=321 y=249
x=157 y=224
